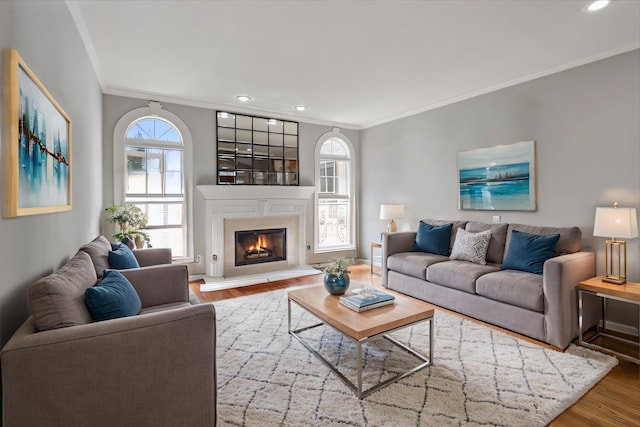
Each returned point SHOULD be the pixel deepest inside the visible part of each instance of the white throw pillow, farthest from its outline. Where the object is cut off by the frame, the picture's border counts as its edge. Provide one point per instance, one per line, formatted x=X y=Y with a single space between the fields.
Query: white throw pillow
x=471 y=246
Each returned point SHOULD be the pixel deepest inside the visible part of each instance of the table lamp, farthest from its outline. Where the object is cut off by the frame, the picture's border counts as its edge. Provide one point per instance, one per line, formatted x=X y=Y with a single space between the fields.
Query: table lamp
x=392 y=212
x=616 y=222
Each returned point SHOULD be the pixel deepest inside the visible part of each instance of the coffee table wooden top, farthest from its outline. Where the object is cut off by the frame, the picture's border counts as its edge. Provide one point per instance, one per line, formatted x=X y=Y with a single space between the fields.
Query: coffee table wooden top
x=361 y=325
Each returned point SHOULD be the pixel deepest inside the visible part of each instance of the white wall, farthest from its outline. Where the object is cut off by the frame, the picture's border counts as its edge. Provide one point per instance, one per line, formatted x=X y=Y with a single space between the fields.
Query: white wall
x=45 y=36
x=586 y=124
x=202 y=125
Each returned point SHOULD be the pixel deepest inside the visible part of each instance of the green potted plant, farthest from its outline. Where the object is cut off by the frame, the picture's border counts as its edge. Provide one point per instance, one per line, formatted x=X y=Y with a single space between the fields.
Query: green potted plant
x=336 y=276
x=130 y=220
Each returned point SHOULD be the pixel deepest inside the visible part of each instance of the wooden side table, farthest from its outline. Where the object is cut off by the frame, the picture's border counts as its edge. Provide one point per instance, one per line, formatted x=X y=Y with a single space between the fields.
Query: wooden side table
x=379 y=246
x=629 y=292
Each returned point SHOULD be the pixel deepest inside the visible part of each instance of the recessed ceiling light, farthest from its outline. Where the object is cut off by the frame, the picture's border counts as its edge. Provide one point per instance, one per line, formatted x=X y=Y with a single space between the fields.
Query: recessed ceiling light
x=243 y=98
x=300 y=107
x=597 y=5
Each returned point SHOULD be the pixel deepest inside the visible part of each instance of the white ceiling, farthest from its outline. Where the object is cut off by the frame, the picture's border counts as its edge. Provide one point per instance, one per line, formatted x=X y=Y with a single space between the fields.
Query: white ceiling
x=352 y=63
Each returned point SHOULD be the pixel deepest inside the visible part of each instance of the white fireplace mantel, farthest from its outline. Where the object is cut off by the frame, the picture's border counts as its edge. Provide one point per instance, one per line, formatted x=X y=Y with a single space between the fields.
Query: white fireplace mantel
x=251 y=201
x=250 y=192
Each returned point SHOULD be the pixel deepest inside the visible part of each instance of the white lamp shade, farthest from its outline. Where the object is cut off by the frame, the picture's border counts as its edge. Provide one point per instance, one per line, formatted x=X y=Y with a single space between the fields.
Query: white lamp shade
x=616 y=222
x=391 y=211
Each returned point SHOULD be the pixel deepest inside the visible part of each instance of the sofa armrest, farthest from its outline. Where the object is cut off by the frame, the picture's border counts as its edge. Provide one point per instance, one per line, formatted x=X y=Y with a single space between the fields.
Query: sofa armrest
x=153 y=369
x=560 y=279
x=160 y=284
x=393 y=243
x=152 y=256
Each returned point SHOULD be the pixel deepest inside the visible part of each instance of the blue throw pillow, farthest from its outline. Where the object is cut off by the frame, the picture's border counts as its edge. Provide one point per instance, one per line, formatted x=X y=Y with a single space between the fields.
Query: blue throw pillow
x=434 y=239
x=112 y=297
x=528 y=252
x=122 y=258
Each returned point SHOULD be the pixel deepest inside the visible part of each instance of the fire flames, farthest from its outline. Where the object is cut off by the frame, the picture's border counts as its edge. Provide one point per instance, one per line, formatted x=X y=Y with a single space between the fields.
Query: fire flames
x=261 y=242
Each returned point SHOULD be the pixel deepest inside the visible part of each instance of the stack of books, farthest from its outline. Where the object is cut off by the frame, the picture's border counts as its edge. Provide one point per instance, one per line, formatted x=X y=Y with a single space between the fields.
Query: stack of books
x=361 y=303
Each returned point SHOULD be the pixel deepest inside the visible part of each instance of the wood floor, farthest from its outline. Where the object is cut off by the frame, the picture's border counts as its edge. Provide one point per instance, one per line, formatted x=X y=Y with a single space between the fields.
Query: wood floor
x=614 y=401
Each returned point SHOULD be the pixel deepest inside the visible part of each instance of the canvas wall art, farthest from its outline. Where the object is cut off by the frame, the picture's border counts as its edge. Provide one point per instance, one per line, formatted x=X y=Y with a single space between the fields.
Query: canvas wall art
x=37 y=144
x=498 y=178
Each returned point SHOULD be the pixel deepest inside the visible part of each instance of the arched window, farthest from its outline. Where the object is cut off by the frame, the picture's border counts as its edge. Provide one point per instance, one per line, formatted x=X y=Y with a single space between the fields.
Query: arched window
x=151 y=157
x=335 y=190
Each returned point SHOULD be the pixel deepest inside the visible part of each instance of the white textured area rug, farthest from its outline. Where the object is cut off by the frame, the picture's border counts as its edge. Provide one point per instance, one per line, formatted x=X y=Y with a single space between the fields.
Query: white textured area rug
x=479 y=377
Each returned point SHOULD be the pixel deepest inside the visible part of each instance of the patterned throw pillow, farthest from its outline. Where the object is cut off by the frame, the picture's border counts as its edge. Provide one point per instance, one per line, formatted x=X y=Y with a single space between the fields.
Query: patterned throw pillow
x=471 y=246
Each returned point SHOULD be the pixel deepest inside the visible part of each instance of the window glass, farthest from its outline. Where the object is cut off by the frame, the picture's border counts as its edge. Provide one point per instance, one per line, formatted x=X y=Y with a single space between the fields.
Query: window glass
x=154 y=129
x=333 y=227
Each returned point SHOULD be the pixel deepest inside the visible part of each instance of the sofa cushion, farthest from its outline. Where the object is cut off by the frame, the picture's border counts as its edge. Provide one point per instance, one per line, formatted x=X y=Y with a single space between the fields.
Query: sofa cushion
x=528 y=252
x=495 y=252
x=461 y=275
x=57 y=300
x=98 y=249
x=112 y=297
x=471 y=247
x=433 y=238
x=570 y=237
x=413 y=263
x=122 y=258
x=513 y=287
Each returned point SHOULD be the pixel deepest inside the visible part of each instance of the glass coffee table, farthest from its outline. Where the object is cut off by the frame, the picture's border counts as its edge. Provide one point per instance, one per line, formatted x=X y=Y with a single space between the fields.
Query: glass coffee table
x=362 y=327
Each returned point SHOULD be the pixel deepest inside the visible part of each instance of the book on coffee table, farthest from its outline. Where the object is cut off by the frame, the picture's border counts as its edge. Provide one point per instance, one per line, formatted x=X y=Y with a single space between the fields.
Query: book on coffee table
x=361 y=303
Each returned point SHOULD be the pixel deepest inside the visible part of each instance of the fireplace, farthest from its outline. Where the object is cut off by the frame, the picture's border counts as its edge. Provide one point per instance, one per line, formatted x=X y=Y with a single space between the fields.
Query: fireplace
x=255 y=207
x=260 y=246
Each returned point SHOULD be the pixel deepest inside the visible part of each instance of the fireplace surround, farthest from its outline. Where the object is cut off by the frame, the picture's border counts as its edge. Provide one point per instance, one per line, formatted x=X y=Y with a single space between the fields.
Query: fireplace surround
x=232 y=208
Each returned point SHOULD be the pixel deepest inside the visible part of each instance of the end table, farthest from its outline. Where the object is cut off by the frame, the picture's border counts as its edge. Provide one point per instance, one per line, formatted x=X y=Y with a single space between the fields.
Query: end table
x=379 y=246
x=629 y=292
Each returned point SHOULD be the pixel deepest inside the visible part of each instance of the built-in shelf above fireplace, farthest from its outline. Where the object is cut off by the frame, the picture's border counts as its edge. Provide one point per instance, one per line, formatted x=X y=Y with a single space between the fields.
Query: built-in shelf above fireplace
x=231 y=208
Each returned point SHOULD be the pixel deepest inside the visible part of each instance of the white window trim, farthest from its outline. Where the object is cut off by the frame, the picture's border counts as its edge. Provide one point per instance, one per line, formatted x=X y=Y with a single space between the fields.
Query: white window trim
x=352 y=176
x=119 y=142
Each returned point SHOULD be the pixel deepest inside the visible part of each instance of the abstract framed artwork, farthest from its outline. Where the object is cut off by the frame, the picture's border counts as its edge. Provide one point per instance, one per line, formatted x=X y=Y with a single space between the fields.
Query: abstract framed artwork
x=36 y=144
x=498 y=178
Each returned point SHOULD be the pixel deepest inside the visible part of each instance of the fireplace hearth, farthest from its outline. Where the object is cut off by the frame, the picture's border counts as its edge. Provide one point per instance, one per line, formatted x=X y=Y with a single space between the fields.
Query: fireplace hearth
x=260 y=246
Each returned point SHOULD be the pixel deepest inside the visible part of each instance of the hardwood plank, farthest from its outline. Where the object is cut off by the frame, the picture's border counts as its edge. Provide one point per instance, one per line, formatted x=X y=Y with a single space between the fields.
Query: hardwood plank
x=614 y=401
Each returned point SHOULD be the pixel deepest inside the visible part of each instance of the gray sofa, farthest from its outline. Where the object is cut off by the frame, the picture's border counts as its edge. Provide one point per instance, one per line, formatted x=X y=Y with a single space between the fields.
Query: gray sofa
x=157 y=368
x=543 y=307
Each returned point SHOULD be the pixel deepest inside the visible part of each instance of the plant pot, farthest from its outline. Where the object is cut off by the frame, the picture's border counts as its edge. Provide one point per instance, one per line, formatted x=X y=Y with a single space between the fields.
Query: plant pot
x=139 y=242
x=336 y=285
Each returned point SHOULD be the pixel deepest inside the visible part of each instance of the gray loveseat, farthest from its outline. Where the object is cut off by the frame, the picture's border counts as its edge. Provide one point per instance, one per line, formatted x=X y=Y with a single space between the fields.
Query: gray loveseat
x=157 y=368
x=540 y=306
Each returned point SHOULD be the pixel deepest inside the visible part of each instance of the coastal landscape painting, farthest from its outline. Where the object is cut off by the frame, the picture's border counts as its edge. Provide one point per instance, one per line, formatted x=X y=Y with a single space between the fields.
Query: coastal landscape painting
x=498 y=178
x=37 y=155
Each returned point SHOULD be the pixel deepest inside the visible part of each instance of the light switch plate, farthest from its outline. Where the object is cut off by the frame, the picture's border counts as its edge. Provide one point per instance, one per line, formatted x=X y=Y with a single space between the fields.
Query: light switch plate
x=497 y=219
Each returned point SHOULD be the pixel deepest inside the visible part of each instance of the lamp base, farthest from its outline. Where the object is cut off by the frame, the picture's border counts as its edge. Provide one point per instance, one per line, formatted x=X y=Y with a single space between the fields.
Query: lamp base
x=615 y=280
x=392 y=227
x=615 y=262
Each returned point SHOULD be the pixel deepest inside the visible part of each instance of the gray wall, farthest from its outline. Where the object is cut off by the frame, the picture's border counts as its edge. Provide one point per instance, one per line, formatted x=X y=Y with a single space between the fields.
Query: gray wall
x=586 y=125
x=201 y=123
x=45 y=36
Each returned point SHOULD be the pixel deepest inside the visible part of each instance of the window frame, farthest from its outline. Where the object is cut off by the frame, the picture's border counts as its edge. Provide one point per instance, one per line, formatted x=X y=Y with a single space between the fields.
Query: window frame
x=120 y=141
x=351 y=197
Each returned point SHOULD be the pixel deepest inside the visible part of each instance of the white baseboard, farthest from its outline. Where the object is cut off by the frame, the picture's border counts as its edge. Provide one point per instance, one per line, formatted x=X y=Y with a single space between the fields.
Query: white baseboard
x=620 y=327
